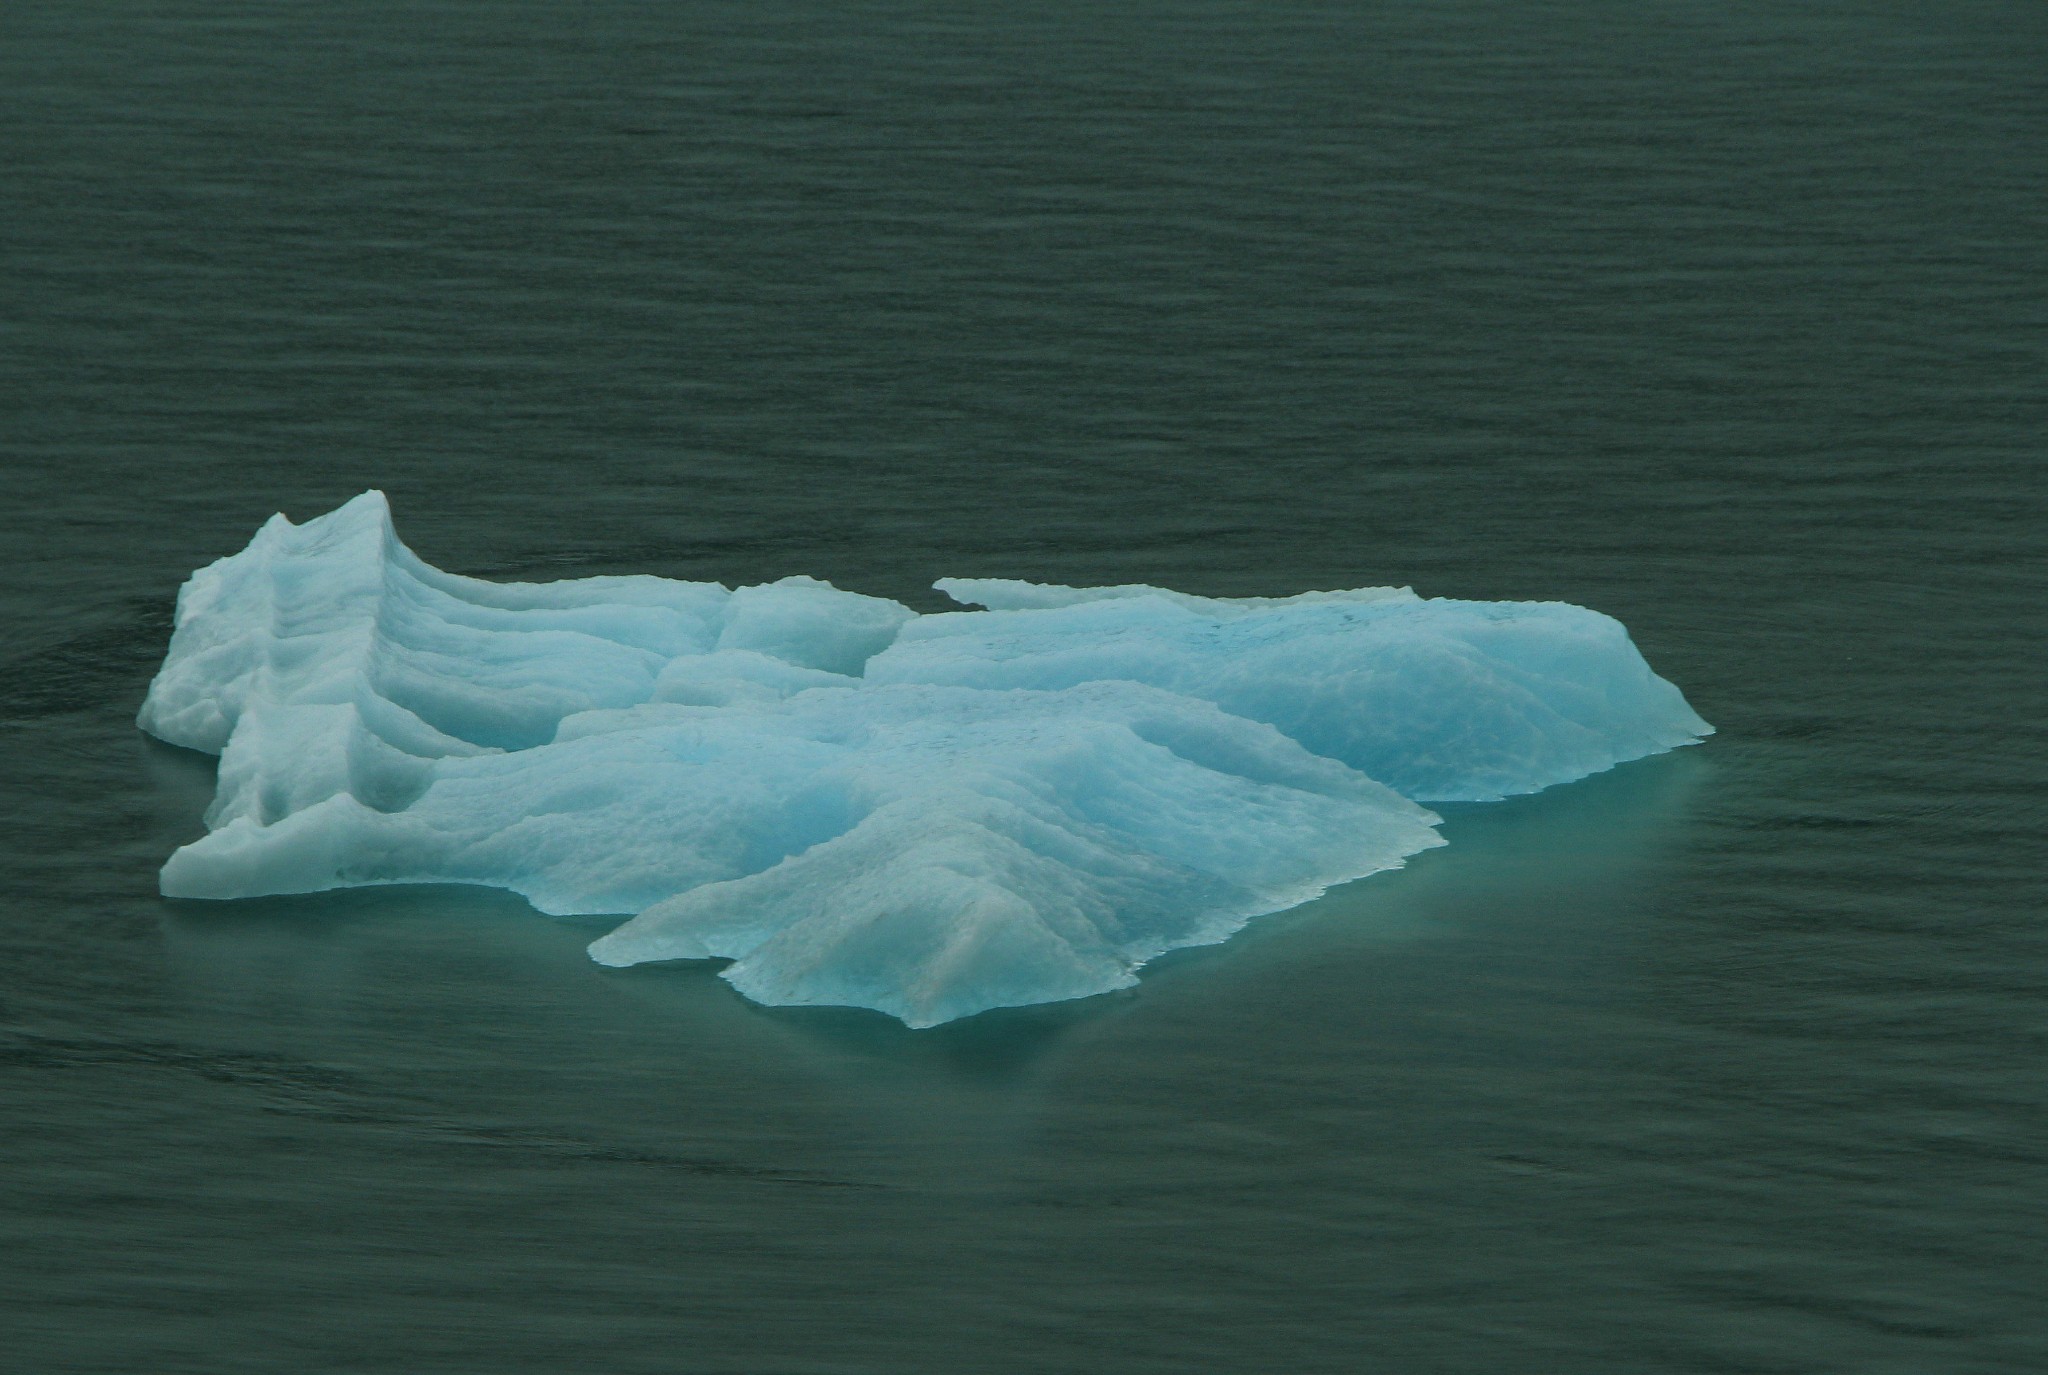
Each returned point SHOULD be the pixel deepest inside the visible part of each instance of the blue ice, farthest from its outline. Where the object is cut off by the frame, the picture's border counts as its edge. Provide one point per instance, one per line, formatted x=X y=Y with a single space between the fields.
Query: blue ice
x=856 y=805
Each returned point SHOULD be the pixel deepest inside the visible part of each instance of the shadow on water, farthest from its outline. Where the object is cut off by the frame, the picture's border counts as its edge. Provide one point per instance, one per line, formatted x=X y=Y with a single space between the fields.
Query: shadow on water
x=332 y=911
x=173 y=768
x=996 y=1047
x=179 y=788
x=1591 y=833
x=1593 y=837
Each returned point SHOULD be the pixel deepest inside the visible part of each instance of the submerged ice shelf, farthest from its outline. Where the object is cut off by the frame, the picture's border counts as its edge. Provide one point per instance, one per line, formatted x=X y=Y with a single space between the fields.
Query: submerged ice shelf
x=855 y=804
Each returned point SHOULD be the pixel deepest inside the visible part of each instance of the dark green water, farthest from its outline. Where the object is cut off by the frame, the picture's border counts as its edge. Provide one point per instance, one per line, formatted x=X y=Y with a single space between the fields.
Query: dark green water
x=1725 y=318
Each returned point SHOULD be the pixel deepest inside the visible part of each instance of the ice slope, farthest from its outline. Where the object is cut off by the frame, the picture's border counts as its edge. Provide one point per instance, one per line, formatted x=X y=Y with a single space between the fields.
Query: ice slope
x=339 y=611
x=1440 y=700
x=930 y=816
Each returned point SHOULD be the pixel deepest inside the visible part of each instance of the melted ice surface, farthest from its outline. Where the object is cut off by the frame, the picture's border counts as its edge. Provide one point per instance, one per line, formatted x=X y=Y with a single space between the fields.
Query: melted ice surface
x=856 y=805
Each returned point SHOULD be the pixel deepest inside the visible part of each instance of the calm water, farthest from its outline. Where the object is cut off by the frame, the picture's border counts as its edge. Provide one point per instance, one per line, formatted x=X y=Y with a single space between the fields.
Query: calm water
x=1727 y=319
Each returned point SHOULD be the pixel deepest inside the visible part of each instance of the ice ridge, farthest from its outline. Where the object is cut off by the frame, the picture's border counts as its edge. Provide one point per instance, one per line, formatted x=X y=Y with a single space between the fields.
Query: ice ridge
x=857 y=805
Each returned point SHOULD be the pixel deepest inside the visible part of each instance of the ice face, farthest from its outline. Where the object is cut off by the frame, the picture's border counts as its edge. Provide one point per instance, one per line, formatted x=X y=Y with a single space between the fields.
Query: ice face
x=930 y=816
x=338 y=610
x=1440 y=700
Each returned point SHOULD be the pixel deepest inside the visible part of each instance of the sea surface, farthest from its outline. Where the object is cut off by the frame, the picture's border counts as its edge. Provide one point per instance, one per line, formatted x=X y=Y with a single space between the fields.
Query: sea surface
x=1729 y=319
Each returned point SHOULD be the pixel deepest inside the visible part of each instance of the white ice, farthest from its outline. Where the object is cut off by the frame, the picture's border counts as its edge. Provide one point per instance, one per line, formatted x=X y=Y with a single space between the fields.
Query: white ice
x=930 y=816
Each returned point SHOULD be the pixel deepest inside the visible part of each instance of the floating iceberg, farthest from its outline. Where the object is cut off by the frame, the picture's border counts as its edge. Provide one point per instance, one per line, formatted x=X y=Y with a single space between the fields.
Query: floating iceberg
x=857 y=805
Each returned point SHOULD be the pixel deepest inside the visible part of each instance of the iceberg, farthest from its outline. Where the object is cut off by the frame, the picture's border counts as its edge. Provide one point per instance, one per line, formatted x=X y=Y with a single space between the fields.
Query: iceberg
x=856 y=805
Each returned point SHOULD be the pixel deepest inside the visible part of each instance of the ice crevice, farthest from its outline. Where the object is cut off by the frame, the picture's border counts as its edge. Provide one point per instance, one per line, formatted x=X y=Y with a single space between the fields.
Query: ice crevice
x=928 y=815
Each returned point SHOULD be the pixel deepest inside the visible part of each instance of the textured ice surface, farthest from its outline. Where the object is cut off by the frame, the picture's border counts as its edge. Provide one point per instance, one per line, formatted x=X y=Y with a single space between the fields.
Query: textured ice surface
x=1440 y=700
x=856 y=805
x=338 y=611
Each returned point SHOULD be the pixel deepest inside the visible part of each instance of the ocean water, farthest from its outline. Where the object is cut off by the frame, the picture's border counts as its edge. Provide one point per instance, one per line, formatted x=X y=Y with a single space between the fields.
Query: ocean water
x=1727 y=319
